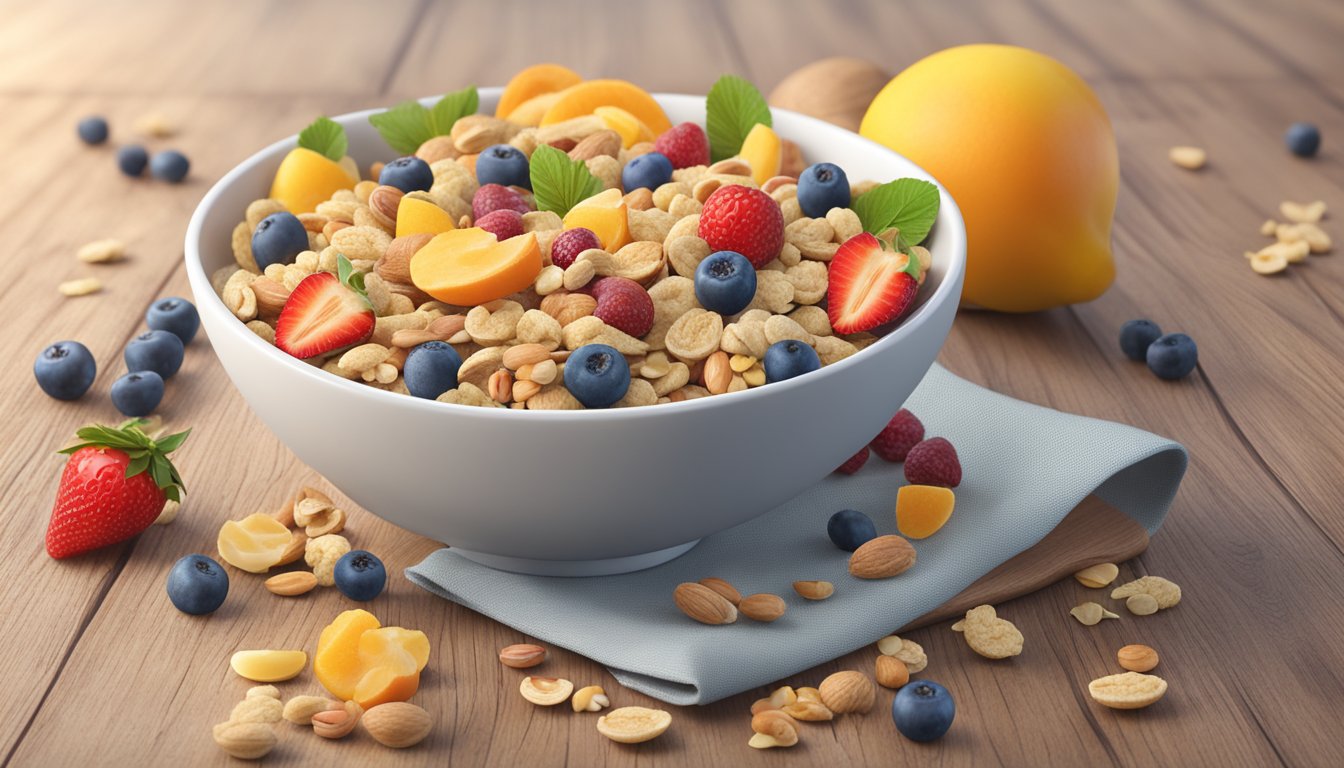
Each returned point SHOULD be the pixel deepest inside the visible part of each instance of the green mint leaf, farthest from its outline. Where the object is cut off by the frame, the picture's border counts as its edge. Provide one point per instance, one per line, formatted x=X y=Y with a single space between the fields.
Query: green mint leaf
x=559 y=183
x=451 y=108
x=910 y=205
x=409 y=124
x=732 y=109
x=325 y=137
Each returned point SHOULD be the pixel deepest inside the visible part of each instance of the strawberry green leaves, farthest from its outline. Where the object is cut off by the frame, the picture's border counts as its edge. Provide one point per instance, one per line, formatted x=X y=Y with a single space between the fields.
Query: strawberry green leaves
x=732 y=108
x=146 y=453
x=409 y=124
x=325 y=137
x=559 y=183
x=909 y=205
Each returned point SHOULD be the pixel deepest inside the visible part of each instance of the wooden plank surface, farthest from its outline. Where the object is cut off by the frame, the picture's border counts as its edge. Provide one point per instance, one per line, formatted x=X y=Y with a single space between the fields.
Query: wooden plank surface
x=107 y=674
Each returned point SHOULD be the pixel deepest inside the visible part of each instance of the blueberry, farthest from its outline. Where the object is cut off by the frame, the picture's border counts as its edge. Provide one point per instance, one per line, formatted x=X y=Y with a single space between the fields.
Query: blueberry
x=174 y=315
x=65 y=370
x=431 y=369
x=649 y=171
x=131 y=159
x=1135 y=336
x=137 y=393
x=409 y=174
x=725 y=282
x=850 y=529
x=92 y=130
x=1303 y=139
x=360 y=576
x=197 y=585
x=157 y=351
x=278 y=239
x=169 y=165
x=821 y=187
x=923 y=710
x=788 y=358
x=597 y=375
x=503 y=165
x=1173 y=356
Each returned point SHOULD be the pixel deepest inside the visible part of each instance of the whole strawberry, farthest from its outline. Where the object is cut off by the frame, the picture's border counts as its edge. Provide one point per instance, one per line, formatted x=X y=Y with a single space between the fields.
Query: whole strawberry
x=685 y=145
x=854 y=463
x=896 y=439
x=492 y=197
x=742 y=219
x=933 y=462
x=623 y=304
x=114 y=486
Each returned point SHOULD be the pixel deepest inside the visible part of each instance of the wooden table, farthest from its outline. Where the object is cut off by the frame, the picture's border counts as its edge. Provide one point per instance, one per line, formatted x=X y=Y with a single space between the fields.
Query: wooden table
x=102 y=671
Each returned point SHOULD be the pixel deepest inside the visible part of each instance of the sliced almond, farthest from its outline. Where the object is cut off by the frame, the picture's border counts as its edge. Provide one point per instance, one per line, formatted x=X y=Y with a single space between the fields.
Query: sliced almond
x=291 y=584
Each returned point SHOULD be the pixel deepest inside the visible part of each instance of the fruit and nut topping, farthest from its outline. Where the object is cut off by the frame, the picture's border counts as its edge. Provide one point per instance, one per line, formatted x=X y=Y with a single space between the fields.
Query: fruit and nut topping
x=611 y=254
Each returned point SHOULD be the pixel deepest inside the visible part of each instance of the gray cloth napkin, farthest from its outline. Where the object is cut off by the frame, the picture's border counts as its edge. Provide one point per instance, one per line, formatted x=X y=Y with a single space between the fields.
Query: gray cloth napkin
x=1025 y=467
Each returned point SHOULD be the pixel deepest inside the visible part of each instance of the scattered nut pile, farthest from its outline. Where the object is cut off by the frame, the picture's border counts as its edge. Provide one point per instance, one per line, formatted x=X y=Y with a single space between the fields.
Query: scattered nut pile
x=1296 y=237
x=250 y=731
x=627 y=725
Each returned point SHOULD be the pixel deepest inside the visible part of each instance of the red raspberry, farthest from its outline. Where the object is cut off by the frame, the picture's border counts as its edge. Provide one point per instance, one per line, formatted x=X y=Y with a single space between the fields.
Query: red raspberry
x=685 y=145
x=623 y=304
x=854 y=463
x=503 y=223
x=493 y=197
x=933 y=462
x=569 y=244
x=898 y=437
x=742 y=219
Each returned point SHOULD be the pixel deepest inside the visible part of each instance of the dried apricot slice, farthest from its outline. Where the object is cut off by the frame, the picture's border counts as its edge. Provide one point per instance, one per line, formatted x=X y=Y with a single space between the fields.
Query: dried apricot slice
x=534 y=81
x=582 y=99
x=337 y=665
x=415 y=216
x=306 y=178
x=604 y=214
x=921 y=510
x=763 y=151
x=631 y=128
x=467 y=267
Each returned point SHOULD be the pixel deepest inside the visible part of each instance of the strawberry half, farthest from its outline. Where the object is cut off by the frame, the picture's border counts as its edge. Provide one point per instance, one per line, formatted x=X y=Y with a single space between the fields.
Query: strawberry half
x=113 y=487
x=869 y=285
x=325 y=313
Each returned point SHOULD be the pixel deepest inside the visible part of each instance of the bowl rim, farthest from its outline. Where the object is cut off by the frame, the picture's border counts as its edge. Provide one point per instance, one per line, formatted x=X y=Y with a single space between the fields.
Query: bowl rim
x=949 y=224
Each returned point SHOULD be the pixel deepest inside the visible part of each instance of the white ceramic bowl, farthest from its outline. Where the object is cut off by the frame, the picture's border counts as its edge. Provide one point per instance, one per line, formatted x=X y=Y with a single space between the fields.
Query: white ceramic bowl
x=577 y=492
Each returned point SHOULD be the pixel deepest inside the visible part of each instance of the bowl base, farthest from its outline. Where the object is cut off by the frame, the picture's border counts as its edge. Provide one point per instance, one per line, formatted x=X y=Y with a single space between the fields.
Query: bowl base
x=573 y=568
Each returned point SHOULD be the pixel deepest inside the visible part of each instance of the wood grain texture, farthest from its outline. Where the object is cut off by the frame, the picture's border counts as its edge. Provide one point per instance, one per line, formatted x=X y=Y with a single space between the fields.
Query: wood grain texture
x=106 y=673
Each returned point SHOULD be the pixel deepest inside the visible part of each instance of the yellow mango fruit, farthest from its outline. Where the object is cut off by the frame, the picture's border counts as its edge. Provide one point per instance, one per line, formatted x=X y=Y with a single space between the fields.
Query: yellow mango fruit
x=605 y=214
x=306 y=178
x=582 y=99
x=1026 y=149
x=631 y=129
x=415 y=216
x=763 y=151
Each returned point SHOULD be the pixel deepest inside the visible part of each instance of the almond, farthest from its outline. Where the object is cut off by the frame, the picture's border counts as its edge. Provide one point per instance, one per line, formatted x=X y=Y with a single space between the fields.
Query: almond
x=337 y=724
x=475 y=133
x=525 y=354
x=1137 y=658
x=882 y=558
x=395 y=264
x=522 y=655
x=704 y=604
x=763 y=607
x=728 y=591
x=292 y=583
x=639 y=199
x=604 y=142
x=384 y=201
x=891 y=672
x=814 y=590
x=397 y=724
x=271 y=296
x=436 y=149
x=718 y=374
x=848 y=691
x=245 y=741
x=294 y=552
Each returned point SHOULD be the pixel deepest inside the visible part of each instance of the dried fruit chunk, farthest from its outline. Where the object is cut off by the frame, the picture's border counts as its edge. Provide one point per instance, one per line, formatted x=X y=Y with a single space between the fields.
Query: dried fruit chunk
x=1167 y=593
x=634 y=725
x=1097 y=576
x=268 y=666
x=545 y=691
x=1091 y=614
x=253 y=544
x=1127 y=690
x=922 y=510
x=988 y=635
x=908 y=651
